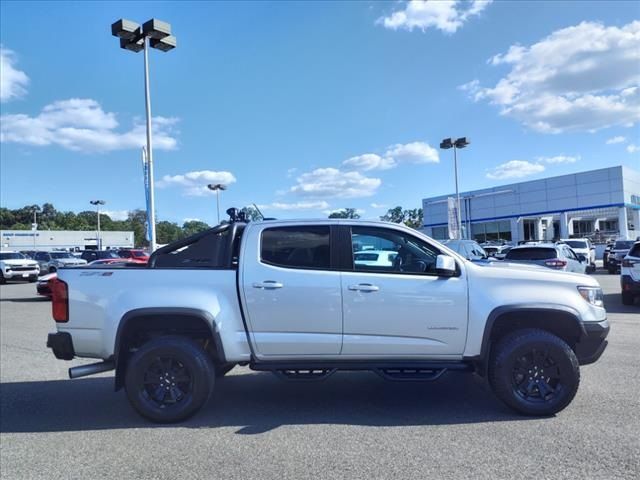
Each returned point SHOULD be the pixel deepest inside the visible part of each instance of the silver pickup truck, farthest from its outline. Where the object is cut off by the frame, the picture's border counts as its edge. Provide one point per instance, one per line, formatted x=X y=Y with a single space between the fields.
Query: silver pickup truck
x=291 y=297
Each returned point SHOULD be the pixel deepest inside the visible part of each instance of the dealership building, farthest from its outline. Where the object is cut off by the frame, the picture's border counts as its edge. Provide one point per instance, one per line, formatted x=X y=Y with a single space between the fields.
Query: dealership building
x=599 y=204
x=63 y=240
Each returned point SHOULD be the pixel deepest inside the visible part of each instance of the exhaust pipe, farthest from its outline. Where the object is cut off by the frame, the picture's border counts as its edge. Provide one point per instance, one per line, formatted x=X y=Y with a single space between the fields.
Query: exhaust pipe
x=91 y=369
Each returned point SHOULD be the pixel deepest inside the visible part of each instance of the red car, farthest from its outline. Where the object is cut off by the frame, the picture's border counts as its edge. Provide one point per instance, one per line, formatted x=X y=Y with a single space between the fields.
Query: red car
x=134 y=255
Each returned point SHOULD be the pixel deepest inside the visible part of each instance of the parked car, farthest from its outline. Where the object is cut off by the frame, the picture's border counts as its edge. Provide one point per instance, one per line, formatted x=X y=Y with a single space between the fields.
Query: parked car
x=605 y=255
x=375 y=257
x=555 y=256
x=15 y=266
x=496 y=251
x=618 y=252
x=134 y=255
x=469 y=249
x=50 y=261
x=43 y=287
x=583 y=246
x=287 y=297
x=630 y=275
x=91 y=255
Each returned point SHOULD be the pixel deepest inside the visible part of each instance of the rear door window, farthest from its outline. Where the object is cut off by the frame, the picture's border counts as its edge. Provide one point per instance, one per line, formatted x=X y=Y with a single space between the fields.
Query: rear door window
x=296 y=247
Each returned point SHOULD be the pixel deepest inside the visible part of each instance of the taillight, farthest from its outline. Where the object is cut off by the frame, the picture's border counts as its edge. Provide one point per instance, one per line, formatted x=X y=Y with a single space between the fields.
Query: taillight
x=629 y=262
x=59 y=300
x=555 y=263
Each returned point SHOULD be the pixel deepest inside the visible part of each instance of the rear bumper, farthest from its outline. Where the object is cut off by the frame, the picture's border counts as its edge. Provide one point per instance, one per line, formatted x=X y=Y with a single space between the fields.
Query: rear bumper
x=628 y=284
x=591 y=346
x=62 y=345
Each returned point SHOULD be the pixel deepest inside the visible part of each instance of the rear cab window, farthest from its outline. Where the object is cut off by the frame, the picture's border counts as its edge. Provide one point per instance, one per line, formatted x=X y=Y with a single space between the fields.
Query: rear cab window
x=635 y=251
x=303 y=247
x=536 y=253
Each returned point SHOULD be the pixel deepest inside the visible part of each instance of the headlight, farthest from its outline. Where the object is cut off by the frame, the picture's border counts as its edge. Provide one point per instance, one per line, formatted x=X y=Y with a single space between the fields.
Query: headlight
x=593 y=295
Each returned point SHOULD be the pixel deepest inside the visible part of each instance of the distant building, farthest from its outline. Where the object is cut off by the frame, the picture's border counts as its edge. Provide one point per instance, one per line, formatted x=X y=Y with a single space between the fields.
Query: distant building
x=63 y=240
x=599 y=204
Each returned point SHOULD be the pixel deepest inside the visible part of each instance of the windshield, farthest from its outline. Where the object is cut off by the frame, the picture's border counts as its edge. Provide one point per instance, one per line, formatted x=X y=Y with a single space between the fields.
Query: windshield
x=576 y=243
x=61 y=255
x=623 y=244
x=12 y=256
x=531 y=254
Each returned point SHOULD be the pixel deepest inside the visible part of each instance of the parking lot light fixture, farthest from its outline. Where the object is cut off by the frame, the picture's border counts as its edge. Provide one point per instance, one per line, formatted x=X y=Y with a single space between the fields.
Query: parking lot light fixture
x=216 y=187
x=97 y=204
x=156 y=34
x=446 y=144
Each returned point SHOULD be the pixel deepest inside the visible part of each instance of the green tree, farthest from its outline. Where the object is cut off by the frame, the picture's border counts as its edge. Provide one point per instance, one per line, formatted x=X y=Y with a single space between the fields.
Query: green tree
x=411 y=218
x=192 y=227
x=251 y=213
x=344 y=213
x=167 y=232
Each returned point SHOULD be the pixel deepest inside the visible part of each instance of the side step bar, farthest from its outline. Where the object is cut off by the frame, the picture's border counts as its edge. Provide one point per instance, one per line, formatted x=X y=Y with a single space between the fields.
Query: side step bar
x=91 y=369
x=389 y=370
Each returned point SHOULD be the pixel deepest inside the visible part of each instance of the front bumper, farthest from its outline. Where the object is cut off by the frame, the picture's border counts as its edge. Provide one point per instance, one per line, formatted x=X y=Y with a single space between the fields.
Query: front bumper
x=11 y=274
x=62 y=345
x=592 y=344
x=628 y=284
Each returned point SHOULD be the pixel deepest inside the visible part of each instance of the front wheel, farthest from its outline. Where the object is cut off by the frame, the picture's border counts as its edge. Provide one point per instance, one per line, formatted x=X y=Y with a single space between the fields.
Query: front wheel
x=534 y=372
x=169 y=379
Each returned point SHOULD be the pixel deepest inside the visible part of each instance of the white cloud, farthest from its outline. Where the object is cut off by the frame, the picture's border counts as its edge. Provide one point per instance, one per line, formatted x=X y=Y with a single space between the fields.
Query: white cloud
x=378 y=205
x=444 y=15
x=189 y=219
x=370 y=161
x=617 y=139
x=291 y=171
x=194 y=184
x=515 y=169
x=579 y=78
x=13 y=82
x=295 y=206
x=117 y=215
x=560 y=159
x=632 y=148
x=80 y=124
x=414 y=152
x=335 y=183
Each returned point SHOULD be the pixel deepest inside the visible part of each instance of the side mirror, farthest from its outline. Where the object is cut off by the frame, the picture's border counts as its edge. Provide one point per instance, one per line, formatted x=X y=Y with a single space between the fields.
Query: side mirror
x=582 y=258
x=445 y=266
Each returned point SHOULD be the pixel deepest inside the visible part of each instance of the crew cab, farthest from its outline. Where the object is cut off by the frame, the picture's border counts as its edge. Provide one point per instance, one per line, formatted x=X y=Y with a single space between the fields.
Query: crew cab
x=288 y=297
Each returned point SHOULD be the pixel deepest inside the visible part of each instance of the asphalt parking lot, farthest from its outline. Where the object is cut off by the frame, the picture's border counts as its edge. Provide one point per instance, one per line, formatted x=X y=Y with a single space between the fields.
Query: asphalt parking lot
x=349 y=426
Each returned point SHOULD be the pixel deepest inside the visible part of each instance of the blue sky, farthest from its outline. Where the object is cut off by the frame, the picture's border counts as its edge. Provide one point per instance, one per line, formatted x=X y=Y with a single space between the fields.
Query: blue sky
x=307 y=107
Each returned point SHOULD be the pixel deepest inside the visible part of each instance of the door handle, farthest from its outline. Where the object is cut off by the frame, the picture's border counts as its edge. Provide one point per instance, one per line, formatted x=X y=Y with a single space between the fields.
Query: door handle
x=364 y=287
x=268 y=285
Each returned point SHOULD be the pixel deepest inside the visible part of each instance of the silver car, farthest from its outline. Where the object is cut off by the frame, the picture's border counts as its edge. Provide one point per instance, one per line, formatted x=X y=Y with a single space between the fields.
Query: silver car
x=558 y=257
x=50 y=261
x=469 y=249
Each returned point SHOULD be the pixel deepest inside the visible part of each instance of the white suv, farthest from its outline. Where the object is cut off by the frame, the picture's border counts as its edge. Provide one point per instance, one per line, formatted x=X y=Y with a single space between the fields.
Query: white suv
x=582 y=246
x=15 y=266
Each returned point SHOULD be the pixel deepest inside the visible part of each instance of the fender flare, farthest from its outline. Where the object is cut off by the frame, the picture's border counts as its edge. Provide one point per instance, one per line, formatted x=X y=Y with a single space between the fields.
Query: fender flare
x=543 y=308
x=166 y=312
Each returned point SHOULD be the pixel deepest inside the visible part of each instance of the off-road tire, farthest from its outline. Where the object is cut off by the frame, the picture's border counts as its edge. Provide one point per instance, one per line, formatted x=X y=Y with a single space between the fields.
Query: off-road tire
x=169 y=379
x=534 y=372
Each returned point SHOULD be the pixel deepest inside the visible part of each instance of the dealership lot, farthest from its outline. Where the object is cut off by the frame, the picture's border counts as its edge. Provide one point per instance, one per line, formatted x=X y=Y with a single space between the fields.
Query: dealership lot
x=349 y=426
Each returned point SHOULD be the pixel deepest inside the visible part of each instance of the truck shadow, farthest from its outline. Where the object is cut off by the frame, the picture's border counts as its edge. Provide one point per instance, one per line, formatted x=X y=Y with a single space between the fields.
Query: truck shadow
x=257 y=403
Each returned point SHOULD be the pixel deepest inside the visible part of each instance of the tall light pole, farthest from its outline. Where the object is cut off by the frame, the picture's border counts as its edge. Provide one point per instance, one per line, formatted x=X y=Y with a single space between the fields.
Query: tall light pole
x=216 y=187
x=155 y=34
x=34 y=227
x=97 y=204
x=446 y=144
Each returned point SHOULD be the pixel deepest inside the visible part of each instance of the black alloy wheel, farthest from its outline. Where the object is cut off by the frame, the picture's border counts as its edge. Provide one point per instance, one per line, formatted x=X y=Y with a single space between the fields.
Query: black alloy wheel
x=169 y=378
x=534 y=372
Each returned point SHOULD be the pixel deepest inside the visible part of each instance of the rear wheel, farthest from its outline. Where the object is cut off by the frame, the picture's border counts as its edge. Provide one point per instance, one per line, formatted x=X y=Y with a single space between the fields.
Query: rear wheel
x=627 y=298
x=534 y=372
x=52 y=269
x=169 y=379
